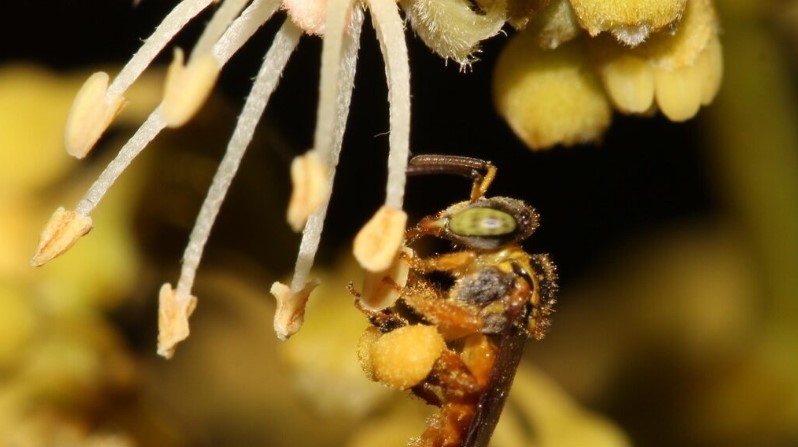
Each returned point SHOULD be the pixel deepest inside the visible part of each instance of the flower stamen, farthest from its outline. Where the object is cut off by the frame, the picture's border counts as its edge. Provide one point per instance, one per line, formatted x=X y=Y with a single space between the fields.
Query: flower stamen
x=266 y=81
x=188 y=86
x=143 y=136
x=224 y=16
x=337 y=73
x=175 y=21
x=389 y=221
x=234 y=37
x=390 y=33
x=90 y=115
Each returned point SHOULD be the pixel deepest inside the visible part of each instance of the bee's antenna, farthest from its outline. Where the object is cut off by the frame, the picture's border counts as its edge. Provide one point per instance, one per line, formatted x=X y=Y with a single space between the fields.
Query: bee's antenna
x=481 y=172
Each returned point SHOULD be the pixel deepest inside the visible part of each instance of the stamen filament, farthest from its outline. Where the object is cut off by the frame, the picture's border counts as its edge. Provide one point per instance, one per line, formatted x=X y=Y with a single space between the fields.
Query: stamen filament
x=169 y=27
x=242 y=29
x=276 y=58
x=143 y=136
x=231 y=41
x=345 y=65
x=327 y=120
x=390 y=33
x=222 y=18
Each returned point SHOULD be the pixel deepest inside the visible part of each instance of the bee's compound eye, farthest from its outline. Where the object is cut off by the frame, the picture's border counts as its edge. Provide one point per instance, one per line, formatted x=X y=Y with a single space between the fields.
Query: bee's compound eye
x=482 y=222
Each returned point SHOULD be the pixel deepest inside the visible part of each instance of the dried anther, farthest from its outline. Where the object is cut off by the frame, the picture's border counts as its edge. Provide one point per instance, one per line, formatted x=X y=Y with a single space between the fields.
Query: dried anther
x=61 y=232
x=187 y=87
x=91 y=113
x=378 y=242
x=382 y=289
x=290 y=311
x=173 y=314
x=309 y=177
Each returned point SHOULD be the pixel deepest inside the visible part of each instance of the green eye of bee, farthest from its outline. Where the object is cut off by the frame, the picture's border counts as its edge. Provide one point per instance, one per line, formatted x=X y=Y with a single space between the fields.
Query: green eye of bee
x=481 y=222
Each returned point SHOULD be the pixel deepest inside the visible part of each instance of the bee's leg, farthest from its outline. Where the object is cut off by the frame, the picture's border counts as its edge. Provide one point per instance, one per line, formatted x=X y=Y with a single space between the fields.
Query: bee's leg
x=546 y=279
x=452 y=321
x=455 y=388
x=450 y=380
x=455 y=378
x=480 y=186
x=447 y=427
x=546 y=275
x=449 y=262
x=479 y=355
x=385 y=320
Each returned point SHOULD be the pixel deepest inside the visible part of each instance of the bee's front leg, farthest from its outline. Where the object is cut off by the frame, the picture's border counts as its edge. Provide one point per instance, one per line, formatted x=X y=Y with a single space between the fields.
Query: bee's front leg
x=452 y=321
x=453 y=263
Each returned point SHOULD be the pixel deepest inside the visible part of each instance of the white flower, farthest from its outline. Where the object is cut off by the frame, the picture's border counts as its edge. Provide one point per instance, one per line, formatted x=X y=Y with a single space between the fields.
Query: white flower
x=189 y=82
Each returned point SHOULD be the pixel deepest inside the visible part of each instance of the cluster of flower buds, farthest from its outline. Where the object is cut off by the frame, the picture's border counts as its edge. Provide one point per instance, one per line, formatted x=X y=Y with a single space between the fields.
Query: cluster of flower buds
x=574 y=61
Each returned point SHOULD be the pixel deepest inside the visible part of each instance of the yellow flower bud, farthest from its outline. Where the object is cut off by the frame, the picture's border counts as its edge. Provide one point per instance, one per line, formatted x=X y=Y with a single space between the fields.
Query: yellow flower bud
x=681 y=92
x=693 y=33
x=710 y=64
x=678 y=92
x=630 y=21
x=628 y=78
x=549 y=97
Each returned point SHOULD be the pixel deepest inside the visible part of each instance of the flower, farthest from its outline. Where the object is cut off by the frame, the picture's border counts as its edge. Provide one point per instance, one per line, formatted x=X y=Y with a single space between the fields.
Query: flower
x=575 y=60
x=189 y=82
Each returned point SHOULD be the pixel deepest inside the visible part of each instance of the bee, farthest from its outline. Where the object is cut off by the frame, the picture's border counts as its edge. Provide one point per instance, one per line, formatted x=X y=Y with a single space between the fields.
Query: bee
x=455 y=335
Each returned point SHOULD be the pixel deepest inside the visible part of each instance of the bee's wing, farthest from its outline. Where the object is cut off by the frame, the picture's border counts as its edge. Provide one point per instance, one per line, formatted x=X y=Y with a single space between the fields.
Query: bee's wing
x=510 y=348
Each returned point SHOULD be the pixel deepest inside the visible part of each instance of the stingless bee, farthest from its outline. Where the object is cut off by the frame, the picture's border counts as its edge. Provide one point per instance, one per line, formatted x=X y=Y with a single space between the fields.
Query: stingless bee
x=456 y=332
